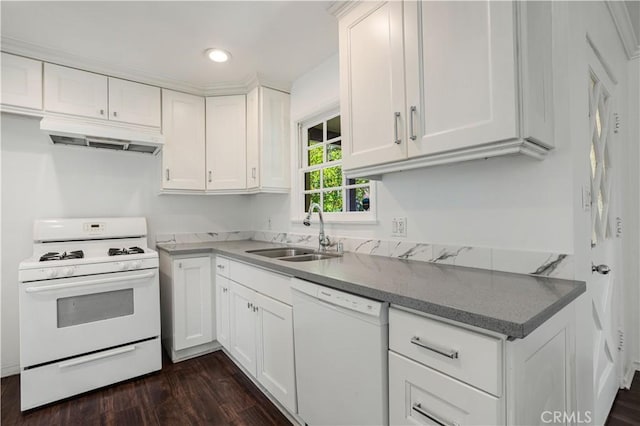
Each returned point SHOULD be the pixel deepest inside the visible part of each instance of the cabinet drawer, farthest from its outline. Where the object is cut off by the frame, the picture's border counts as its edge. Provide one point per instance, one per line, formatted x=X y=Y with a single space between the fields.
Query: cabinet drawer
x=419 y=395
x=58 y=380
x=222 y=266
x=268 y=283
x=471 y=357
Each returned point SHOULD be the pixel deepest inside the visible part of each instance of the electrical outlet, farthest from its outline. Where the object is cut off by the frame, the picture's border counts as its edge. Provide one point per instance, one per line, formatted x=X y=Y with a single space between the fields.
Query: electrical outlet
x=399 y=227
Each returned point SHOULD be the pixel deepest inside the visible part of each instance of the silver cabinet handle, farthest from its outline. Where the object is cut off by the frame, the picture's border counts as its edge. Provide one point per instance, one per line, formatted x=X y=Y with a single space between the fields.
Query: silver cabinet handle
x=220 y=266
x=449 y=353
x=209 y=176
x=180 y=265
x=412 y=112
x=101 y=112
x=167 y=174
x=396 y=118
x=248 y=305
x=418 y=409
x=255 y=309
x=253 y=172
x=115 y=113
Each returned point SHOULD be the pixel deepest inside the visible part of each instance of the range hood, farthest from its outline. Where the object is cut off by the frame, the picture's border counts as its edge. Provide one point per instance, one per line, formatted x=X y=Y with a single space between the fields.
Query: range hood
x=97 y=134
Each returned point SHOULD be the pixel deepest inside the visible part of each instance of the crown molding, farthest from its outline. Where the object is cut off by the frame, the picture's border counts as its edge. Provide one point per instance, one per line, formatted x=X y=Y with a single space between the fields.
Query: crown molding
x=340 y=8
x=630 y=40
x=64 y=58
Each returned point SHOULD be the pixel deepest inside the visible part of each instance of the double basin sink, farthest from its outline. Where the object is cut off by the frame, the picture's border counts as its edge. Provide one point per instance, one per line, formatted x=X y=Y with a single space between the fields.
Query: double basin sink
x=293 y=254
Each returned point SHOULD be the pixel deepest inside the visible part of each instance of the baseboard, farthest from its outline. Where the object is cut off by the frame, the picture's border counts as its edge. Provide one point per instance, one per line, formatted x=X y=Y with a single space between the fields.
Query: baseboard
x=628 y=377
x=10 y=370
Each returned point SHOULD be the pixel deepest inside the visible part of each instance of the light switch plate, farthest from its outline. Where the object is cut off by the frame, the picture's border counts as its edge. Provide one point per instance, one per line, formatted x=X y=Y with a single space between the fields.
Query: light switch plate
x=399 y=227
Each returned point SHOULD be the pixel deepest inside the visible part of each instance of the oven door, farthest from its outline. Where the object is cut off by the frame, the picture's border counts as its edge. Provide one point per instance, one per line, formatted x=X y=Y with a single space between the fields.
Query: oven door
x=66 y=317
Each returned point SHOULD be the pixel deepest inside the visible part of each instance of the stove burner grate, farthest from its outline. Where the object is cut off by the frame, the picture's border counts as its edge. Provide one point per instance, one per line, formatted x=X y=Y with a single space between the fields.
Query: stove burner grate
x=123 y=251
x=76 y=254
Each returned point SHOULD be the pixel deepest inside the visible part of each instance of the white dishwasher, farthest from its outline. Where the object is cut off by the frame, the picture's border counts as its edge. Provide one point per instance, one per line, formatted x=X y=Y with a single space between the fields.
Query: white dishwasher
x=341 y=344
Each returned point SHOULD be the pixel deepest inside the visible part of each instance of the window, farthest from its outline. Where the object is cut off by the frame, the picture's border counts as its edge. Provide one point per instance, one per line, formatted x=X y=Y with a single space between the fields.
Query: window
x=322 y=180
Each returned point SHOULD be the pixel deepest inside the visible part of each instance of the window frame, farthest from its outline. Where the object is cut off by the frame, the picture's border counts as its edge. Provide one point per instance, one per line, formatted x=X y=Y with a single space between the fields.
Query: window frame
x=300 y=168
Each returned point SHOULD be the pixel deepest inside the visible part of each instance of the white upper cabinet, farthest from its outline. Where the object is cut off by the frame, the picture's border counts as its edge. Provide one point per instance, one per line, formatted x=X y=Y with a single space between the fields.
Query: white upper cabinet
x=226 y=149
x=268 y=129
x=460 y=74
x=71 y=91
x=76 y=92
x=21 y=82
x=183 y=124
x=372 y=84
x=135 y=103
x=478 y=80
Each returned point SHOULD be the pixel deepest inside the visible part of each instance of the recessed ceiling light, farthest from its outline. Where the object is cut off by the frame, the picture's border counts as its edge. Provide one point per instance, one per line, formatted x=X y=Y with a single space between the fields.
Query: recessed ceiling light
x=218 y=55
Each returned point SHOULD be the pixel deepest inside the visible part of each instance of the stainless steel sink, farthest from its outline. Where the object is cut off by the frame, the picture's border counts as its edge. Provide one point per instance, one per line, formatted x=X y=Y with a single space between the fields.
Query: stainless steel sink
x=282 y=252
x=293 y=254
x=309 y=257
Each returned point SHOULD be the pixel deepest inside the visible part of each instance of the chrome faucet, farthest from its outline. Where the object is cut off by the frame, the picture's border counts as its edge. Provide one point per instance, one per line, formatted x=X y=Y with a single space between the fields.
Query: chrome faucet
x=323 y=240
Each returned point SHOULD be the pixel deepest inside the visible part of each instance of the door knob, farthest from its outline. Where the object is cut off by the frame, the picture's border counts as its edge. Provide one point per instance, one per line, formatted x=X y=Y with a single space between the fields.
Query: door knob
x=601 y=269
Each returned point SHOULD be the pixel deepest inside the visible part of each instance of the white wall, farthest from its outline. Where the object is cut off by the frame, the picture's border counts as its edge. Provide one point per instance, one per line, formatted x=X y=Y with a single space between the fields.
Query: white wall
x=41 y=180
x=631 y=125
x=514 y=202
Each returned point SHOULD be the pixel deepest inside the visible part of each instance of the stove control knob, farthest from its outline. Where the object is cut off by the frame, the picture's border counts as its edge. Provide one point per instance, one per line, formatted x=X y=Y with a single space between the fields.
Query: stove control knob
x=68 y=271
x=136 y=264
x=121 y=265
x=51 y=273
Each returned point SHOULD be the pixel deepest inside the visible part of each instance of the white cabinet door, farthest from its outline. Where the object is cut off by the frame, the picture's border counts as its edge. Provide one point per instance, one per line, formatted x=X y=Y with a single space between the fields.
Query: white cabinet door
x=275 y=364
x=243 y=326
x=275 y=131
x=193 y=308
x=183 y=162
x=372 y=84
x=222 y=310
x=253 y=139
x=226 y=142
x=71 y=91
x=460 y=75
x=135 y=103
x=21 y=82
x=419 y=395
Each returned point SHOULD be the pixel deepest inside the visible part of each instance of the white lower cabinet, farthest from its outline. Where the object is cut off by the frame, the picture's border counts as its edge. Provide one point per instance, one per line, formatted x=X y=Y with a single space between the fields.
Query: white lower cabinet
x=258 y=328
x=187 y=300
x=442 y=373
x=223 y=305
x=243 y=326
x=419 y=395
x=274 y=344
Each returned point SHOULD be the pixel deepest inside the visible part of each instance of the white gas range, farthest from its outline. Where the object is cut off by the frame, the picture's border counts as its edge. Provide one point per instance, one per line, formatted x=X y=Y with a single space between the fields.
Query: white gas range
x=89 y=307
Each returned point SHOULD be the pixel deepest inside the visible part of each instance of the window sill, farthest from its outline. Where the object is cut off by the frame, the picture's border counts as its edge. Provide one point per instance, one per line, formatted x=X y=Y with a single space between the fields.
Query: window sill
x=341 y=221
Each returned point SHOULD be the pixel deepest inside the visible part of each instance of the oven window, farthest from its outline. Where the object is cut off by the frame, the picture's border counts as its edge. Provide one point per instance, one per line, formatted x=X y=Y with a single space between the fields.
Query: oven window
x=94 y=307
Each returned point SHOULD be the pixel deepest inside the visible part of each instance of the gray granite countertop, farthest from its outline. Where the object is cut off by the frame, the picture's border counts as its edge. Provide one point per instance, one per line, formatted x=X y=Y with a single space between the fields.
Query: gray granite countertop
x=507 y=303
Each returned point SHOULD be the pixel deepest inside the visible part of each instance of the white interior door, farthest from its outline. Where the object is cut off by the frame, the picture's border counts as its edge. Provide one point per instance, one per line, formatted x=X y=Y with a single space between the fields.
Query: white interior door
x=605 y=284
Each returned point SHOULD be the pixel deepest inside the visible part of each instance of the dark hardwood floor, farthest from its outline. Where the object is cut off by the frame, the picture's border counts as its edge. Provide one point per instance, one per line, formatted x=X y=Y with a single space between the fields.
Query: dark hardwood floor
x=626 y=407
x=209 y=390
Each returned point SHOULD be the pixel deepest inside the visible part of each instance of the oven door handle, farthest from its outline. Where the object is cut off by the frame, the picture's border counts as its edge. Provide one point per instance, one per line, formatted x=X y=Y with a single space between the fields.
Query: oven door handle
x=95 y=357
x=88 y=282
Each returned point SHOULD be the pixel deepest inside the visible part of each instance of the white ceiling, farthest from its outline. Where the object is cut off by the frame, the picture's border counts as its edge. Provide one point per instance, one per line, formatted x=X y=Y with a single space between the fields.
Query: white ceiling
x=165 y=41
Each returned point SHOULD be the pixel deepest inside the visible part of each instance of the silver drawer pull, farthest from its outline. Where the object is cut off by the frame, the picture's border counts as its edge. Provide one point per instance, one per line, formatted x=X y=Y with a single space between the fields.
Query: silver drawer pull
x=449 y=353
x=418 y=409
